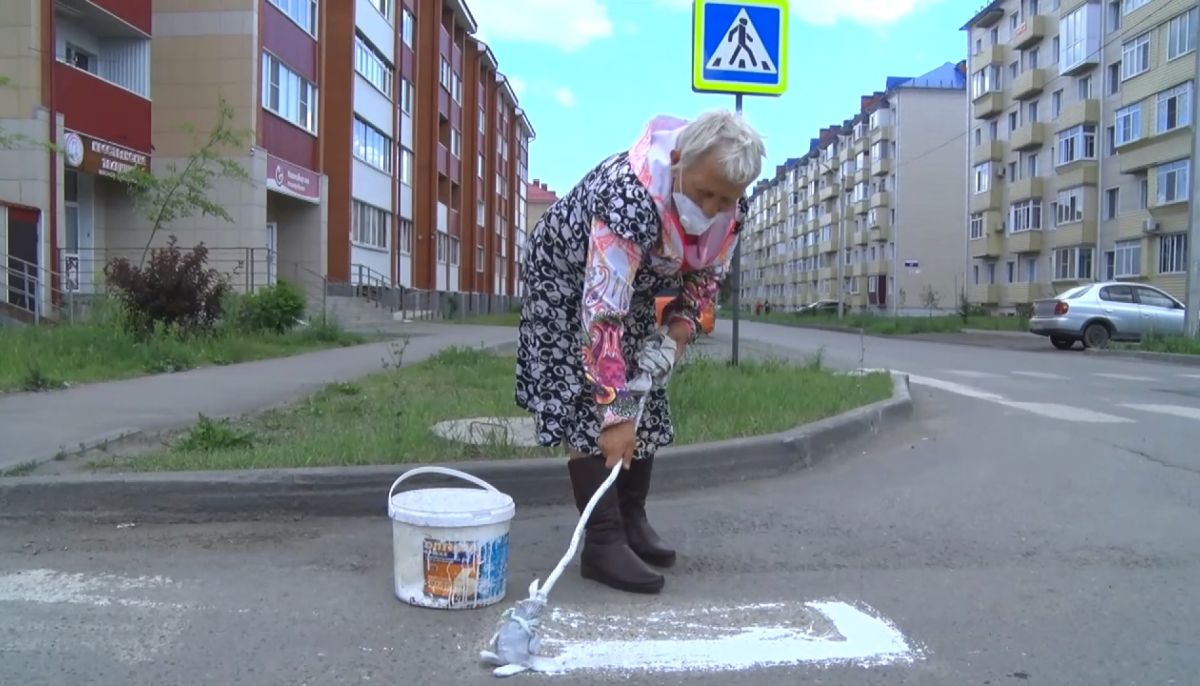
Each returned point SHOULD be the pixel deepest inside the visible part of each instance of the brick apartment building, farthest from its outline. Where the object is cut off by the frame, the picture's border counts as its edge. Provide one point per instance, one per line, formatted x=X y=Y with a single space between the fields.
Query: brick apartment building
x=385 y=145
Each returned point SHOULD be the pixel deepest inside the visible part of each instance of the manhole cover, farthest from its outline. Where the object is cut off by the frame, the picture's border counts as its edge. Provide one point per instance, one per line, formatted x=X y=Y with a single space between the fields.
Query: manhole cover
x=515 y=431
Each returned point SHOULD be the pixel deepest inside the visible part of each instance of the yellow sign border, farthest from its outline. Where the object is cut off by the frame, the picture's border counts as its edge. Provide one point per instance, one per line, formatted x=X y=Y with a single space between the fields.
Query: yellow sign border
x=700 y=84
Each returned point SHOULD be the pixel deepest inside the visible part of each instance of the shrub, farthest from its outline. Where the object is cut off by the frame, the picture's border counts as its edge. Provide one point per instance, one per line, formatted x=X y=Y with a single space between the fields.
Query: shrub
x=175 y=289
x=274 y=308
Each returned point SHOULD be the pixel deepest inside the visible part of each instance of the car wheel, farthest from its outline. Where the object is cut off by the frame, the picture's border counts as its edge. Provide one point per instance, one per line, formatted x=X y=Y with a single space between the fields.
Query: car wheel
x=1062 y=343
x=1095 y=336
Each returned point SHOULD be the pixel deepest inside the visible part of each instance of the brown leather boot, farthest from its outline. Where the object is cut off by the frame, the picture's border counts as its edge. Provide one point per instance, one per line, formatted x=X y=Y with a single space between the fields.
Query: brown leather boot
x=606 y=557
x=632 y=488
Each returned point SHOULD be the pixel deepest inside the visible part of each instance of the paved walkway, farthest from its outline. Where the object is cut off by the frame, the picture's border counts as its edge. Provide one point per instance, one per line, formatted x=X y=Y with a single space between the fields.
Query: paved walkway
x=37 y=426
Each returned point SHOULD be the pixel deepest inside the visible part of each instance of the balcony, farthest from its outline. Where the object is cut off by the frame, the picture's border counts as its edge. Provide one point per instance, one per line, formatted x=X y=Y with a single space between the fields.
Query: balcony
x=1024 y=242
x=1152 y=149
x=994 y=54
x=991 y=245
x=859 y=269
x=1029 y=84
x=1029 y=187
x=881 y=199
x=879 y=267
x=991 y=199
x=881 y=167
x=1030 y=32
x=990 y=151
x=825 y=273
x=882 y=133
x=1082 y=112
x=861 y=238
x=1085 y=173
x=831 y=245
x=860 y=146
x=862 y=175
x=989 y=105
x=858 y=207
x=1026 y=293
x=829 y=192
x=1078 y=233
x=985 y=294
x=101 y=109
x=881 y=231
x=1029 y=137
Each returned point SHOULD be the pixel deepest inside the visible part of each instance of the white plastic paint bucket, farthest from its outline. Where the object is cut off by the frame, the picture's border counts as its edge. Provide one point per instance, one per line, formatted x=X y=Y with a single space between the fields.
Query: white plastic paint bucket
x=450 y=545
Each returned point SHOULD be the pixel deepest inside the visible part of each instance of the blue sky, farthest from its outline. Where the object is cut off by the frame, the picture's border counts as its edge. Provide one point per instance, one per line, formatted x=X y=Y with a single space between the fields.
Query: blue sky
x=591 y=73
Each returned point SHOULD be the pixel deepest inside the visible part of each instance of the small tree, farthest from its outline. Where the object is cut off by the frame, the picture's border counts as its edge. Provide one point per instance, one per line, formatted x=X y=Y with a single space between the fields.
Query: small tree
x=176 y=289
x=964 y=306
x=178 y=193
x=930 y=299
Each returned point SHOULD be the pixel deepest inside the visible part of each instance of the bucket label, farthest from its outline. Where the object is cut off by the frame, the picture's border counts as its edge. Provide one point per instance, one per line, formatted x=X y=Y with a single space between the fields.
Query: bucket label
x=465 y=571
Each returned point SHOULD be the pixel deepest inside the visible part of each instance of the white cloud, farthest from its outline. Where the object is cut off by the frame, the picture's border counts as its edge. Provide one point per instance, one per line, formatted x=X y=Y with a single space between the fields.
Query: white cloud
x=565 y=97
x=565 y=24
x=517 y=83
x=826 y=12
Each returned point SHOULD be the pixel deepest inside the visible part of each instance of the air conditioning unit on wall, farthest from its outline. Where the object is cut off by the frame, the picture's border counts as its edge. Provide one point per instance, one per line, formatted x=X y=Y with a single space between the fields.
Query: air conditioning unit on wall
x=1149 y=226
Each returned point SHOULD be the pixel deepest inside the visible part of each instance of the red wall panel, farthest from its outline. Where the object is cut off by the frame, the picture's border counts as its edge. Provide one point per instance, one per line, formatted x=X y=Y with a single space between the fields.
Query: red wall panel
x=136 y=12
x=98 y=108
x=287 y=41
x=283 y=139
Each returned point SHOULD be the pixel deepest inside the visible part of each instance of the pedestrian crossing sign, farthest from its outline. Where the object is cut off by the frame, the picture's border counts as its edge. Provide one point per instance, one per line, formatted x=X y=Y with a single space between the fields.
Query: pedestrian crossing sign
x=739 y=46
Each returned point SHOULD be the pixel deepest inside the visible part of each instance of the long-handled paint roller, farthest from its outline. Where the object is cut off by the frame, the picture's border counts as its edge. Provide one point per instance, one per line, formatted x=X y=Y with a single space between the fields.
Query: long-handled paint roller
x=516 y=641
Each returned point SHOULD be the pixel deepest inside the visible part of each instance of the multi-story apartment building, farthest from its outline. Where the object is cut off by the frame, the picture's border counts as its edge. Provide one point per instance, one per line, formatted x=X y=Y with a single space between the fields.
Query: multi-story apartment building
x=1080 y=138
x=358 y=126
x=869 y=213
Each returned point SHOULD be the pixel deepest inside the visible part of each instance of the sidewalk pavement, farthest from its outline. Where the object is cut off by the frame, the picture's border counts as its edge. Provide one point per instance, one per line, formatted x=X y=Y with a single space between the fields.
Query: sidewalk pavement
x=35 y=427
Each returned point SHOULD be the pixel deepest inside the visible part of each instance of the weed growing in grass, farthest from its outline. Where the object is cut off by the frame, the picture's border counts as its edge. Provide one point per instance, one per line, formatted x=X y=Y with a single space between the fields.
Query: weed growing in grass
x=210 y=436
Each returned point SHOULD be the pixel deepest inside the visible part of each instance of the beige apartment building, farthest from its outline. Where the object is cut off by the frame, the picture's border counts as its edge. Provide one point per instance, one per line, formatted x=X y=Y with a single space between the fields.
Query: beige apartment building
x=871 y=212
x=1080 y=138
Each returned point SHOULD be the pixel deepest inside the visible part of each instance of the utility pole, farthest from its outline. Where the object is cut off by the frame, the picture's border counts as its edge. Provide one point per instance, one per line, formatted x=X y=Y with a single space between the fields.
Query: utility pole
x=1192 y=311
x=841 y=246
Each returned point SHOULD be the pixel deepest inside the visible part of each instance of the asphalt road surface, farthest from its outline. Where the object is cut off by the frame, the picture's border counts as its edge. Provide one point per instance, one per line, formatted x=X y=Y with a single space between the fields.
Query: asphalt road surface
x=1012 y=533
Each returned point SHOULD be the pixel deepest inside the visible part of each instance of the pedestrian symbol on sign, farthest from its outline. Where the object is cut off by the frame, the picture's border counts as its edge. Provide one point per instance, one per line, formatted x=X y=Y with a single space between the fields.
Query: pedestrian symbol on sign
x=742 y=49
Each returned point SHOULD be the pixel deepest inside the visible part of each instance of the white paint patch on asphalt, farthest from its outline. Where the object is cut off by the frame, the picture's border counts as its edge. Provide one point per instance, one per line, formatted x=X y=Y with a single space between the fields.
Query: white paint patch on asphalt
x=1067 y=413
x=103 y=616
x=1173 y=410
x=1042 y=375
x=1190 y=376
x=1123 y=377
x=956 y=388
x=972 y=374
x=726 y=640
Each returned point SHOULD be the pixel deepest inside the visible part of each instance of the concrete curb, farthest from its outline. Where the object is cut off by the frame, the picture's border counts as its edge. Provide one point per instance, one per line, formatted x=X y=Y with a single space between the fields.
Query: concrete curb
x=361 y=491
x=1145 y=356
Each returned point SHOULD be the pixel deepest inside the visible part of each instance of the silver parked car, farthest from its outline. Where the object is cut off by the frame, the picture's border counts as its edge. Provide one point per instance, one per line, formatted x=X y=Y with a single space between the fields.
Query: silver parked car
x=1101 y=312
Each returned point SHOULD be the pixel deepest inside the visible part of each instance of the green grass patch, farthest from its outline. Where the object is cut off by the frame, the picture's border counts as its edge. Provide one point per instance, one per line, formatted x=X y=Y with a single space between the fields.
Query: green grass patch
x=386 y=418
x=37 y=358
x=884 y=325
x=494 y=319
x=1178 y=345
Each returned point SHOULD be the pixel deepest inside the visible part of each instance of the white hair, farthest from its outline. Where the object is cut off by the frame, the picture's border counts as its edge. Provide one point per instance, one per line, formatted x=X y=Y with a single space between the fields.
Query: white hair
x=738 y=147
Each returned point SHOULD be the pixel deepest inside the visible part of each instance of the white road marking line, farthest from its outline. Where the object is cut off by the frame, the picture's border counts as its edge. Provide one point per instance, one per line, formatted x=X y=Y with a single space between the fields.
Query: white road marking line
x=956 y=388
x=1173 y=410
x=1042 y=375
x=1067 y=413
x=972 y=374
x=724 y=639
x=1124 y=377
x=99 y=590
x=1190 y=376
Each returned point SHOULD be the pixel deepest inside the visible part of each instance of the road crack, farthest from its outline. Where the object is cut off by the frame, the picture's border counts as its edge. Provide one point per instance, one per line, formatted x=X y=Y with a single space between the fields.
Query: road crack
x=1156 y=460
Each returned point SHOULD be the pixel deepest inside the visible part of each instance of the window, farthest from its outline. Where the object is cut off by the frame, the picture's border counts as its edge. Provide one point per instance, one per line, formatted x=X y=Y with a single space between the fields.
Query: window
x=984 y=81
x=371 y=64
x=1073 y=30
x=1014 y=121
x=995 y=36
x=303 y=12
x=1014 y=70
x=1110 y=134
x=1056 y=104
x=456 y=87
x=1030 y=264
x=289 y=95
x=1174 y=108
x=1055 y=50
x=407 y=27
x=1143 y=193
x=1013 y=21
x=1172 y=254
x=1135 y=56
x=993 y=130
x=983 y=177
x=384 y=7
x=443 y=246
x=1012 y=271
x=1114 y=78
x=455 y=247
x=1031 y=58
x=1181 y=34
x=479 y=165
x=976 y=230
x=455 y=143
x=406 y=166
x=1117 y=294
x=1073 y=264
x=1172 y=182
x=1077 y=143
x=1131 y=5
x=1031 y=164
x=444 y=76
x=1026 y=216
x=1070 y=205
x=1084 y=84
x=1127 y=259
x=480 y=213
x=1114 y=15
x=1129 y=124
x=1153 y=298
x=405 y=236
x=372 y=146
x=1112 y=203
x=1031 y=112
x=406 y=96
x=81 y=59
x=1012 y=171
x=370 y=225
x=991 y=272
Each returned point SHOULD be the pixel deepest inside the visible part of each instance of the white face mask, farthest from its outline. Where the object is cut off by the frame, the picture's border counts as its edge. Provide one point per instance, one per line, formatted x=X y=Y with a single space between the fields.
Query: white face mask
x=692 y=217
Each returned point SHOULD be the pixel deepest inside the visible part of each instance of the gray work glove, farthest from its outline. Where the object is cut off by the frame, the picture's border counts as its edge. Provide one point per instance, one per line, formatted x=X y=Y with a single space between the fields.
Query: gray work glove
x=657 y=358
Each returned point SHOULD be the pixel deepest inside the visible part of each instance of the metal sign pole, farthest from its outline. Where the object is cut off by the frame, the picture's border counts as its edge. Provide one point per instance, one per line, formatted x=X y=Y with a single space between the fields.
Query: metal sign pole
x=737 y=269
x=1192 y=303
